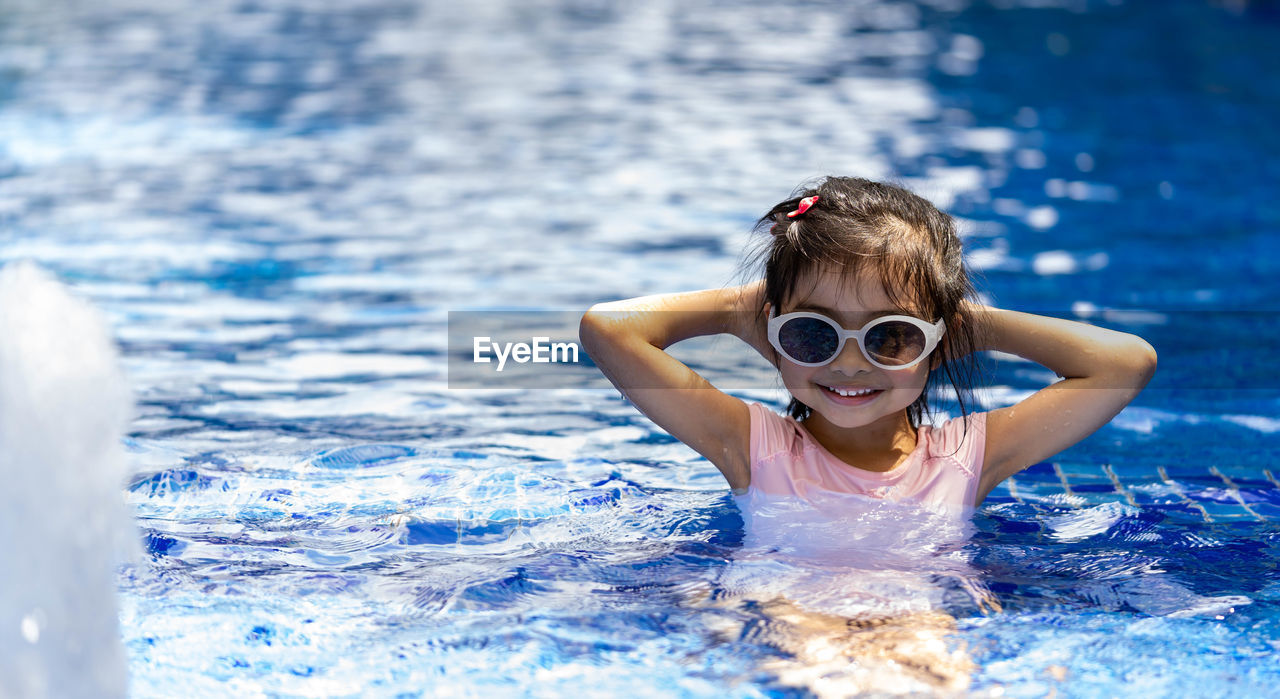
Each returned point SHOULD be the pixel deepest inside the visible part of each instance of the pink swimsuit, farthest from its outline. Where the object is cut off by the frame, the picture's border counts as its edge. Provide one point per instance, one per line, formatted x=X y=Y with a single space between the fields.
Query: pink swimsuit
x=942 y=470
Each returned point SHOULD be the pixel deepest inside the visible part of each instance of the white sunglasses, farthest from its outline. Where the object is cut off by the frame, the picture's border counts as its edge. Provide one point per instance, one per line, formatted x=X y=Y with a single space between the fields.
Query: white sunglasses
x=889 y=342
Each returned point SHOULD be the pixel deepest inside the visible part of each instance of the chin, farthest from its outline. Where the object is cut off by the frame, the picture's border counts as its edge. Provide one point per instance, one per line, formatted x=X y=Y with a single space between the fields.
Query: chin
x=845 y=420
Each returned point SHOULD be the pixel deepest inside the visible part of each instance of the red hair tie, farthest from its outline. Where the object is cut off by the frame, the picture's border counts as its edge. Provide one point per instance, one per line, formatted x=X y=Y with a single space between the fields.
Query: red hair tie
x=804 y=206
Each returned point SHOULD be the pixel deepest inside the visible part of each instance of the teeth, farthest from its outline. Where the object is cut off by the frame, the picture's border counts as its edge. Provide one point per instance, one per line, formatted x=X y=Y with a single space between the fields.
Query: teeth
x=847 y=392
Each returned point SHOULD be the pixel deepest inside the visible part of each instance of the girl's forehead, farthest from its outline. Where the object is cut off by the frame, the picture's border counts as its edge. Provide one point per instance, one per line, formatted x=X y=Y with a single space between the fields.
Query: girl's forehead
x=831 y=290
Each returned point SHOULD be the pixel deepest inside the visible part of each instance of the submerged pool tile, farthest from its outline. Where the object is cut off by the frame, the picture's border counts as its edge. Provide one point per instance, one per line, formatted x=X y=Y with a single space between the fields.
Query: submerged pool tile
x=1221 y=510
x=1043 y=471
x=1270 y=496
x=1239 y=473
x=1241 y=516
x=1039 y=489
x=1183 y=513
x=1084 y=473
x=1185 y=471
x=1201 y=482
x=1107 y=487
x=1133 y=473
x=1095 y=498
x=1266 y=510
x=1206 y=490
x=1252 y=483
x=1155 y=494
x=1134 y=480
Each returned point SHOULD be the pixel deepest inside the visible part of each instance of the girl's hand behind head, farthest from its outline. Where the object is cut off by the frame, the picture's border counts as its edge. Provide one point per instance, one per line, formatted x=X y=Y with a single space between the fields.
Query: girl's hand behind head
x=751 y=320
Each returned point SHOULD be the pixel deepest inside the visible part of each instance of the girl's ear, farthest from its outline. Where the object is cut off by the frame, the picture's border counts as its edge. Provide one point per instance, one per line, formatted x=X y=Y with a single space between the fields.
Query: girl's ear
x=935 y=361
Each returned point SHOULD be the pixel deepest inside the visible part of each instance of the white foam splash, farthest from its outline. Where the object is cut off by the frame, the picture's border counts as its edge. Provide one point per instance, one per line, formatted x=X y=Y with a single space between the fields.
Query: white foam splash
x=1081 y=524
x=64 y=405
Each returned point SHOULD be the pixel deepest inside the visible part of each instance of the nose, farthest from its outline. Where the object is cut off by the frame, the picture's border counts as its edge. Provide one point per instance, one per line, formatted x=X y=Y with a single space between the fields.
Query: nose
x=851 y=361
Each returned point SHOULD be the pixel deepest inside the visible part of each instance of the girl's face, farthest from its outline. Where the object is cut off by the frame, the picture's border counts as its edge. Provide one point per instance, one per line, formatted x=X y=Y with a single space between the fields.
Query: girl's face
x=852 y=305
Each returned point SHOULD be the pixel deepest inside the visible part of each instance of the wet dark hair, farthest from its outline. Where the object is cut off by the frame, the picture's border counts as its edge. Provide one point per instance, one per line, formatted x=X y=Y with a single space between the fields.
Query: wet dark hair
x=857 y=225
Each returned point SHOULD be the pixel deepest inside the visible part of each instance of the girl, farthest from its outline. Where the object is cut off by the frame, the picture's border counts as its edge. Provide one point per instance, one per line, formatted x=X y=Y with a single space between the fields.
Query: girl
x=864 y=303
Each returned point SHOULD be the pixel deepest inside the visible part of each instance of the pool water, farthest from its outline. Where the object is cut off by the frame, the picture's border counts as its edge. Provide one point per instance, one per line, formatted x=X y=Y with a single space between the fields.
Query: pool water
x=278 y=203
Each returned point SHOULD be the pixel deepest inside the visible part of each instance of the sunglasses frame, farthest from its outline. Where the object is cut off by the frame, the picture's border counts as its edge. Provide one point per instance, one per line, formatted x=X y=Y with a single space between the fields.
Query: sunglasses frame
x=933 y=332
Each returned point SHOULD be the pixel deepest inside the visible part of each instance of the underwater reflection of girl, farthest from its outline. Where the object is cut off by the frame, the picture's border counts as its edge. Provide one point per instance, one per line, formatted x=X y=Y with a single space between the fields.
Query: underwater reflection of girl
x=865 y=302
x=850 y=594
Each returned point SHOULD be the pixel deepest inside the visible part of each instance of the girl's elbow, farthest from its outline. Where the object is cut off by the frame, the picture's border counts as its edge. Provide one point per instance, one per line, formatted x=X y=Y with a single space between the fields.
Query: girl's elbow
x=593 y=328
x=601 y=327
x=1151 y=360
x=1139 y=359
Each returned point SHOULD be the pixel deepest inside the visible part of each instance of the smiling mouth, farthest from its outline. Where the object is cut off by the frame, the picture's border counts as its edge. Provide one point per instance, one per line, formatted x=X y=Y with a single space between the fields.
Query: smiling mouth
x=852 y=392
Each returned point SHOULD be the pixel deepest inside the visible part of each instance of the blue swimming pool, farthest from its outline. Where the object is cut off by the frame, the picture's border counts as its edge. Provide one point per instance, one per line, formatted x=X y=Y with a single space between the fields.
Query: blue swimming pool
x=277 y=204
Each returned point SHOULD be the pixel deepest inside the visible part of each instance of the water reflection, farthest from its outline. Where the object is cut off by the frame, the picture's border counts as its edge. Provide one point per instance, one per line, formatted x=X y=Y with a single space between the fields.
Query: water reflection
x=856 y=594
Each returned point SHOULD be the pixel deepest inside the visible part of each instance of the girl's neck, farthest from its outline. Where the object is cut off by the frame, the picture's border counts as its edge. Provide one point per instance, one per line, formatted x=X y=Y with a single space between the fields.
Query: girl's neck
x=879 y=446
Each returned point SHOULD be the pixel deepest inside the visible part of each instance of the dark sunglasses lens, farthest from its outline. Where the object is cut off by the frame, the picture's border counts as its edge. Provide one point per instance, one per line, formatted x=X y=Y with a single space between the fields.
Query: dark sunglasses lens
x=894 y=342
x=808 y=340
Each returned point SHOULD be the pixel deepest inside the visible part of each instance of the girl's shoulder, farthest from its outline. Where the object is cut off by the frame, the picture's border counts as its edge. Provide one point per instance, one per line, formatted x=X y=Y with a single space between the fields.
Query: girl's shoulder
x=771 y=433
x=962 y=439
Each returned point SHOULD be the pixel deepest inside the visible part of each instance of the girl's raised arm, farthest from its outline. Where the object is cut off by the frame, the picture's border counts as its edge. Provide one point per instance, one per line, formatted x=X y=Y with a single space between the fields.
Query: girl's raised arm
x=1103 y=370
x=626 y=340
